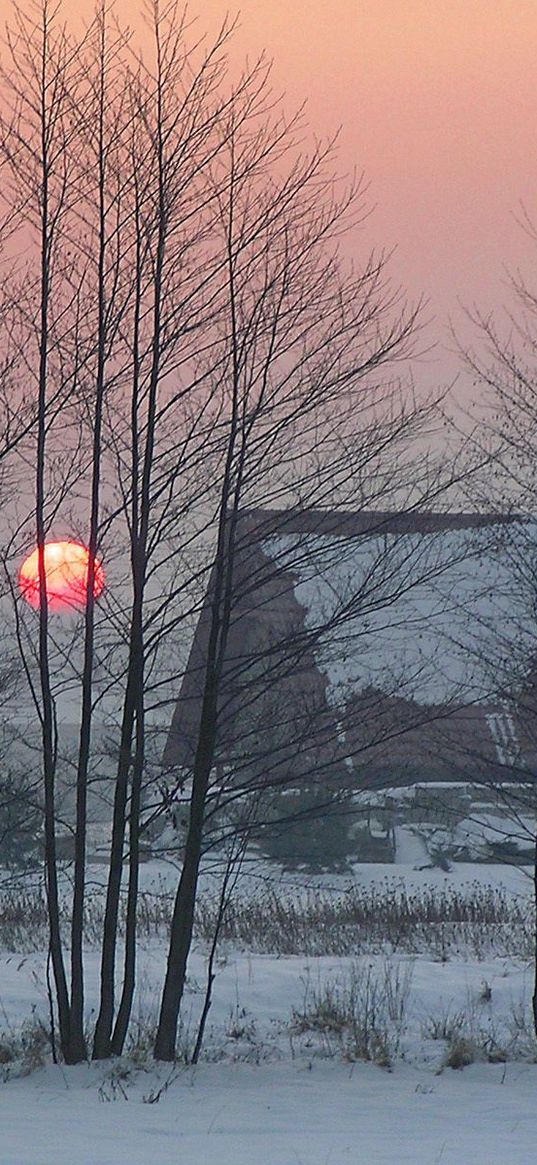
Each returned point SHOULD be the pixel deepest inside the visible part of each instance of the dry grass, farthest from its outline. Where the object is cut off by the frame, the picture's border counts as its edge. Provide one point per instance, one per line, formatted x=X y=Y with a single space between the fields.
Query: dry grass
x=476 y=921
x=358 y=1014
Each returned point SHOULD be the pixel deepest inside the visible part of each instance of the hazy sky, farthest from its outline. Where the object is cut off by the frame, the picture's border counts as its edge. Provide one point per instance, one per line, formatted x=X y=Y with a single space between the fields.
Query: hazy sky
x=437 y=101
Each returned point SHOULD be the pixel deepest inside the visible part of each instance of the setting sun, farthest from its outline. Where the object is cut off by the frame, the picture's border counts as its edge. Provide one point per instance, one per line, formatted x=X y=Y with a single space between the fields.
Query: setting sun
x=66 y=571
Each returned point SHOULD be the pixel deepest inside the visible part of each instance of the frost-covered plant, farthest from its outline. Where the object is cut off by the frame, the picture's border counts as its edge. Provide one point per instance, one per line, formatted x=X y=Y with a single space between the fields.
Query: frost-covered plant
x=25 y=1049
x=359 y=1013
x=479 y=1032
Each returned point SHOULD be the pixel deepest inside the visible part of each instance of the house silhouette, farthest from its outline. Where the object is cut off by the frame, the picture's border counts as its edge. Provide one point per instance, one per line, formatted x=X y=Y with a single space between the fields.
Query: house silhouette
x=370 y=649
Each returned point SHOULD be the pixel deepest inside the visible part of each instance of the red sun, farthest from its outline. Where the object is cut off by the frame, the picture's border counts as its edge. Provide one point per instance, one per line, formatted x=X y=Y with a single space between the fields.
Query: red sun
x=66 y=573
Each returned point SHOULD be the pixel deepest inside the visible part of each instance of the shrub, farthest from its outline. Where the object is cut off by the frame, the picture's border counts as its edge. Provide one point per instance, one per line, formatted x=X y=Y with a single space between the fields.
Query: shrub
x=461 y=1052
x=20 y=819
x=314 y=838
x=359 y=1014
x=25 y=1050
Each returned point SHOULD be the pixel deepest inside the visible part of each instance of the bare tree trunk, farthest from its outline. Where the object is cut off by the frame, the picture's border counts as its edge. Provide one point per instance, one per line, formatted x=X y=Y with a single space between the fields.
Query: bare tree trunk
x=48 y=711
x=78 y=1043
x=221 y=600
x=229 y=879
x=183 y=913
x=103 y=1028
x=129 y=970
x=534 y=996
x=103 y=1045
x=185 y=900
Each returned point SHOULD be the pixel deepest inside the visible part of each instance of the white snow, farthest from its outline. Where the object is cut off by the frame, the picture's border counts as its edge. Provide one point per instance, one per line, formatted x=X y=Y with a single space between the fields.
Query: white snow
x=434 y=617
x=277 y=1115
x=270 y=1096
x=409 y=847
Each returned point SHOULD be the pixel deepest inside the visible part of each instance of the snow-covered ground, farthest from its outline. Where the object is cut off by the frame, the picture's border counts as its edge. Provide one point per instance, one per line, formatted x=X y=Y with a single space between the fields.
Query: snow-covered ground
x=273 y=1090
x=331 y=1114
x=256 y=872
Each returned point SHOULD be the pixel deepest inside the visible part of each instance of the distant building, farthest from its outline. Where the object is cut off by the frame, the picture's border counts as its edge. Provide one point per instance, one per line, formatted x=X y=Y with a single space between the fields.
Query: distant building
x=371 y=650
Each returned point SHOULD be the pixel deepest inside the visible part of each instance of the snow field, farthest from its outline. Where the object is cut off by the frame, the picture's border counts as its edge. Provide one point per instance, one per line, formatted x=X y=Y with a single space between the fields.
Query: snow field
x=272 y=1088
x=331 y=1114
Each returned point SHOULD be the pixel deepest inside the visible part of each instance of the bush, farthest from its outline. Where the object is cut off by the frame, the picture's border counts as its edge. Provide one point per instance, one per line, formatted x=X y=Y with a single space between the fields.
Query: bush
x=20 y=823
x=477 y=1032
x=315 y=837
x=359 y=1014
x=25 y=1050
x=461 y=1052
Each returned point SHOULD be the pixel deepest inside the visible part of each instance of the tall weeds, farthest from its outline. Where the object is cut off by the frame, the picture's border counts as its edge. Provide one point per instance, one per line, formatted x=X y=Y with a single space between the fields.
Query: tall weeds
x=475 y=921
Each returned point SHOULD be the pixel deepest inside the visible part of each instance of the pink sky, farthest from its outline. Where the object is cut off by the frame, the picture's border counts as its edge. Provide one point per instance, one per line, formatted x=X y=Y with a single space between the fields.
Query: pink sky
x=438 y=106
x=437 y=101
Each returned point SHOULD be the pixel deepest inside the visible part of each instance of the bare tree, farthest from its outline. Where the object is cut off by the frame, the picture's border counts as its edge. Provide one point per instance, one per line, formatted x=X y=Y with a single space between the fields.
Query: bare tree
x=199 y=349
x=109 y=159
x=307 y=417
x=502 y=362
x=37 y=141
